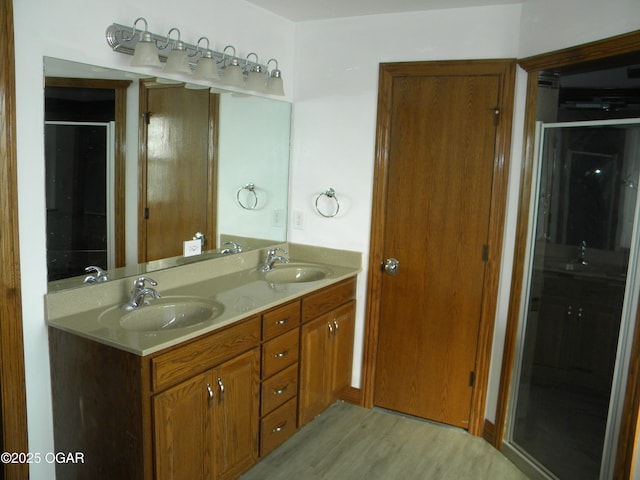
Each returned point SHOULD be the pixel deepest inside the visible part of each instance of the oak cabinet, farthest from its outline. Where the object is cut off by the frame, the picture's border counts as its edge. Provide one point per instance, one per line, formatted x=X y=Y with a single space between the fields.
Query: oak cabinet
x=326 y=349
x=190 y=411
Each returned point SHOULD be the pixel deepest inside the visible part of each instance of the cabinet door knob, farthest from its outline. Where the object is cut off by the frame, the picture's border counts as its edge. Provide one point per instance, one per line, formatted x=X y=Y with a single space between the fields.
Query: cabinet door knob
x=335 y=324
x=330 y=328
x=284 y=321
x=221 y=389
x=281 y=354
x=210 y=394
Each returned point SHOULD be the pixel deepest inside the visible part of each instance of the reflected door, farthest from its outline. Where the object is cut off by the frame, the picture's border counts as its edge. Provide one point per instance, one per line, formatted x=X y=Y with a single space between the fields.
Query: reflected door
x=562 y=416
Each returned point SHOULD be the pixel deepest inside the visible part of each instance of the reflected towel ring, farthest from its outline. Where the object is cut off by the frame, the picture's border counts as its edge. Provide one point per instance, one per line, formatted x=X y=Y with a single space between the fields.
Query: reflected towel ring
x=248 y=203
x=331 y=194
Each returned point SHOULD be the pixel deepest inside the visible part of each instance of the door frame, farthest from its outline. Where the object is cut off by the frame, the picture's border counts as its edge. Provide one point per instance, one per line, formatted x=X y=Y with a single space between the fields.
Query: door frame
x=13 y=402
x=625 y=44
x=505 y=69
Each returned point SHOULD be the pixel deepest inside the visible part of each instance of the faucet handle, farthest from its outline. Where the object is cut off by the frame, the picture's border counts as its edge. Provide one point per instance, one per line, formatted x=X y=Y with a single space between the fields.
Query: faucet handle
x=273 y=251
x=140 y=282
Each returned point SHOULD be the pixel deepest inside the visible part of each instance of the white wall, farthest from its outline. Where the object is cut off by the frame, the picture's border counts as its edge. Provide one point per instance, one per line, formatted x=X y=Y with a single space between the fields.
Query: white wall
x=335 y=101
x=74 y=30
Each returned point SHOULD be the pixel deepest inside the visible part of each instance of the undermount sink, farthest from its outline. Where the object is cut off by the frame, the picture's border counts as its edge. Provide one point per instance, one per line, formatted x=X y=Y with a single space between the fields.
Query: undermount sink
x=166 y=313
x=297 y=273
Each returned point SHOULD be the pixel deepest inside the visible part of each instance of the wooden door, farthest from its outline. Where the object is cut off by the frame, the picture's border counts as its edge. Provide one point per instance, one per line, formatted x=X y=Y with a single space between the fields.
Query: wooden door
x=236 y=415
x=441 y=159
x=182 y=430
x=314 y=382
x=177 y=193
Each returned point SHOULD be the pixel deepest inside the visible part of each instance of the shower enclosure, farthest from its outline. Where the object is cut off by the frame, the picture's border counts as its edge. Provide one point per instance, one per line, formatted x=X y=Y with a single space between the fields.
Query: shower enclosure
x=575 y=324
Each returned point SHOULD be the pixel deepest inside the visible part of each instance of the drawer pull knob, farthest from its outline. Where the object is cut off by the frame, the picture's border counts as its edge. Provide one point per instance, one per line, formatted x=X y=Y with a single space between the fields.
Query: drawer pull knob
x=281 y=354
x=280 y=391
x=283 y=321
x=279 y=428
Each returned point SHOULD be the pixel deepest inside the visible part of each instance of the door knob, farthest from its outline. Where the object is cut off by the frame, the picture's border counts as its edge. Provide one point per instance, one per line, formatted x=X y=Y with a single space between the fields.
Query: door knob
x=202 y=237
x=391 y=266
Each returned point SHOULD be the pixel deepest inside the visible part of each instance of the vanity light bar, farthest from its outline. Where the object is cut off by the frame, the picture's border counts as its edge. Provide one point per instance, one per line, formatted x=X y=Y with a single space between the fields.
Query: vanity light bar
x=122 y=39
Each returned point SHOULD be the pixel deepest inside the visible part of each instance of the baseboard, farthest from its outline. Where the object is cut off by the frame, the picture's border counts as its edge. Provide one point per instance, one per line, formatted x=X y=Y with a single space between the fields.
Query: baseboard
x=489 y=432
x=352 y=395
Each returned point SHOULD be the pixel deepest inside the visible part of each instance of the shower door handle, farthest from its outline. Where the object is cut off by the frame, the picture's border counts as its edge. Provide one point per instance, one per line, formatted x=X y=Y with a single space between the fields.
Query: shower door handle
x=391 y=266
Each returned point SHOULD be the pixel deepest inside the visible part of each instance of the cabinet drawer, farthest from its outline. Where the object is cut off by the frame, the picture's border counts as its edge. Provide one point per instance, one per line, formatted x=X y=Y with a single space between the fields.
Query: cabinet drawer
x=280 y=320
x=186 y=360
x=327 y=299
x=278 y=426
x=279 y=353
x=279 y=388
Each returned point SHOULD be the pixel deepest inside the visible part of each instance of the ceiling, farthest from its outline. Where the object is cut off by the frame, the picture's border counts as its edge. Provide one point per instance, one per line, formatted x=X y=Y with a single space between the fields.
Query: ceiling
x=304 y=10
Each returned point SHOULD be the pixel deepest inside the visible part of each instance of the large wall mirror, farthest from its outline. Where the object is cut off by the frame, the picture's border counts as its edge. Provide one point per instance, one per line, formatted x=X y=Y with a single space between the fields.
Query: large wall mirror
x=114 y=147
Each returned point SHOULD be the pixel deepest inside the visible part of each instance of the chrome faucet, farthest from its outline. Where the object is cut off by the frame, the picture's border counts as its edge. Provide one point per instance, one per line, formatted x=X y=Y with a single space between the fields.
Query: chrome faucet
x=139 y=293
x=272 y=257
x=235 y=248
x=99 y=275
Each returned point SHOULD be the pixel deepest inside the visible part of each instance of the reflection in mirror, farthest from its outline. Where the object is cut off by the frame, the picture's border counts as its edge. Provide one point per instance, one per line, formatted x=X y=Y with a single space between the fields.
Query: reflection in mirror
x=85 y=218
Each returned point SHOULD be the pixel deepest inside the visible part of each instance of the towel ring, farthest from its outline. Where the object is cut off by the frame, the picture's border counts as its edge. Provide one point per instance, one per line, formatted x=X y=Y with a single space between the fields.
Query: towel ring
x=329 y=193
x=251 y=188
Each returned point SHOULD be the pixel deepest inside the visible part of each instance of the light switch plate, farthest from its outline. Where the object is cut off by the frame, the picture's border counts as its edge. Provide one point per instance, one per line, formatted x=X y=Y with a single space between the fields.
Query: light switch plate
x=192 y=247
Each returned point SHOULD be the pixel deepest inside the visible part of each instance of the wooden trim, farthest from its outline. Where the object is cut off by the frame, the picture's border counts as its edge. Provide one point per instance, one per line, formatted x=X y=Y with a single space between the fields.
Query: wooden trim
x=352 y=395
x=120 y=88
x=506 y=70
x=489 y=432
x=142 y=169
x=212 y=206
x=13 y=402
x=602 y=51
x=588 y=52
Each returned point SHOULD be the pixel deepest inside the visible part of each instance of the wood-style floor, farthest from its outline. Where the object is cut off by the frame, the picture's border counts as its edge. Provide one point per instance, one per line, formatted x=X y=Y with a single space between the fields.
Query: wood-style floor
x=350 y=443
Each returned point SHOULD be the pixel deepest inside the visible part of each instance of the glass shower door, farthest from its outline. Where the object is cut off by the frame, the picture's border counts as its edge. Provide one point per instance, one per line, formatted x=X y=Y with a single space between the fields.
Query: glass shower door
x=579 y=249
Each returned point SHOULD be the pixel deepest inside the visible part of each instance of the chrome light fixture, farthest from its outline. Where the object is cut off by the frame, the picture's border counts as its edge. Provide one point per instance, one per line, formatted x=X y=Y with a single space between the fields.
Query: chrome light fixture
x=275 y=85
x=207 y=68
x=233 y=74
x=150 y=49
x=178 y=59
x=256 y=80
x=145 y=54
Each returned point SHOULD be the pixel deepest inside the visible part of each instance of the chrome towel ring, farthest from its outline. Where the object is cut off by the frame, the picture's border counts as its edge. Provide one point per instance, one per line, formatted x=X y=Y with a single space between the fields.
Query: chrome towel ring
x=250 y=202
x=322 y=210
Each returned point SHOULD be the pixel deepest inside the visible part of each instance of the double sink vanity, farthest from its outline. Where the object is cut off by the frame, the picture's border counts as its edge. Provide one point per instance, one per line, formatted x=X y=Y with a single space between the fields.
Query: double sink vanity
x=202 y=382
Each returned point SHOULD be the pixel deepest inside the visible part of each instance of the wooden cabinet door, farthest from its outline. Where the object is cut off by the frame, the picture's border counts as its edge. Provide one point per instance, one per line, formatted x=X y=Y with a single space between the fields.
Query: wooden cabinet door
x=182 y=430
x=235 y=414
x=341 y=350
x=314 y=381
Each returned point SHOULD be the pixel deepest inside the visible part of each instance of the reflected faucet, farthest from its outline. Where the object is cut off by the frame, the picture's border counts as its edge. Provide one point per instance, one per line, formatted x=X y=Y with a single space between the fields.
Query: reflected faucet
x=235 y=248
x=582 y=252
x=140 y=292
x=99 y=275
x=272 y=257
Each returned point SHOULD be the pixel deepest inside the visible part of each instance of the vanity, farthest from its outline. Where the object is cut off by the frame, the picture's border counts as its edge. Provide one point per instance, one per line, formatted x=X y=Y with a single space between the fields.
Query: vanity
x=208 y=397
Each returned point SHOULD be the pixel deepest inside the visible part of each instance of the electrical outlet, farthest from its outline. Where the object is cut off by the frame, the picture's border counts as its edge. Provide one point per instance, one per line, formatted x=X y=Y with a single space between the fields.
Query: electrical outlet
x=192 y=247
x=277 y=217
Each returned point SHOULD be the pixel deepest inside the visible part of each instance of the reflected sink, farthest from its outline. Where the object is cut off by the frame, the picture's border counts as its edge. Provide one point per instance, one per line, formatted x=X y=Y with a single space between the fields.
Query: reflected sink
x=166 y=313
x=297 y=273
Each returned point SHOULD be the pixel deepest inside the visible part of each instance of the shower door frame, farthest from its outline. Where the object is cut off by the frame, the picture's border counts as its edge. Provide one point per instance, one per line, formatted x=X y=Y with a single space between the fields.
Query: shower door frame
x=601 y=50
x=626 y=329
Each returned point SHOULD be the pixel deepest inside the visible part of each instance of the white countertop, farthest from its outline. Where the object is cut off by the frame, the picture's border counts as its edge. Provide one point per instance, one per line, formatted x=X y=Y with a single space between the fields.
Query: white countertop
x=241 y=294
